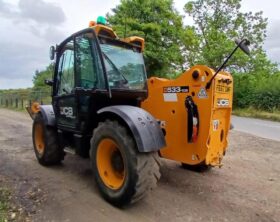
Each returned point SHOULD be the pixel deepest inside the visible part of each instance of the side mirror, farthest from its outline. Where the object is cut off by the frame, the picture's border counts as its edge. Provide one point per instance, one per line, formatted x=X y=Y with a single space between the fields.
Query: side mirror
x=48 y=82
x=243 y=45
x=52 y=52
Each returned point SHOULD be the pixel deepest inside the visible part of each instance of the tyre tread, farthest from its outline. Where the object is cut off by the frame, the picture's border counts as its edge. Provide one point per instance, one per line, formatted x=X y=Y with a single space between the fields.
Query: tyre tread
x=146 y=167
x=53 y=154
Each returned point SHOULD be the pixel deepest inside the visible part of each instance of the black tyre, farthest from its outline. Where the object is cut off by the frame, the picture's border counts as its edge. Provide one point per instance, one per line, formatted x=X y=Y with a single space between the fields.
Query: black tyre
x=201 y=167
x=123 y=175
x=45 y=143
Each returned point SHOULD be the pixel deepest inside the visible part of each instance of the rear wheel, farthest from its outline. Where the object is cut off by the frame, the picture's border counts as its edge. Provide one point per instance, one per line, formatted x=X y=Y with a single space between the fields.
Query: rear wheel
x=123 y=175
x=45 y=142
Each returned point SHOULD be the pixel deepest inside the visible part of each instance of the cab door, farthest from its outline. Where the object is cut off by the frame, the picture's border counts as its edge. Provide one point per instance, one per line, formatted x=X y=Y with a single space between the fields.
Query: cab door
x=79 y=78
x=64 y=99
x=90 y=78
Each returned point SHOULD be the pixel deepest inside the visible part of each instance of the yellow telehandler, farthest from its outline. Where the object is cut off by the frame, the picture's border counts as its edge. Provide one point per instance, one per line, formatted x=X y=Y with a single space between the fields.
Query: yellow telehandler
x=104 y=107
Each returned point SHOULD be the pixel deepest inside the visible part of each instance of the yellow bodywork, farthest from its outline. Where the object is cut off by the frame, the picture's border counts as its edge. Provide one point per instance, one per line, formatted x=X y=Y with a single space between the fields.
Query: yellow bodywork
x=169 y=108
x=214 y=110
x=33 y=109
x=136 y=40
x=105 y=30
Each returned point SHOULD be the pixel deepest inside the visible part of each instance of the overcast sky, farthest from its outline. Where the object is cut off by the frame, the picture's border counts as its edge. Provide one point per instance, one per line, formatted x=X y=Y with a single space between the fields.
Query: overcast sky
x=29 y=27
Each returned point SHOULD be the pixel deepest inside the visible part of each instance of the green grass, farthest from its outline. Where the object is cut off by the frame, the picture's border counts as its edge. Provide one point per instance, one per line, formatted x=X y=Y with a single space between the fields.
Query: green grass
x=4 y=204
x=254 y=113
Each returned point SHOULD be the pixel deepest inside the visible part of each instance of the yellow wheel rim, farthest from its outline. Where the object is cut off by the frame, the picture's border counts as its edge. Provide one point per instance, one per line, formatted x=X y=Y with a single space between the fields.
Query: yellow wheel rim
x=35 y=107
x=110 y=164
x=39 y=138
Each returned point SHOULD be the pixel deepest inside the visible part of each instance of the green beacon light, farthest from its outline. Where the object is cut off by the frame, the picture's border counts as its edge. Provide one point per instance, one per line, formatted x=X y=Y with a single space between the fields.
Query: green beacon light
x=101 y=20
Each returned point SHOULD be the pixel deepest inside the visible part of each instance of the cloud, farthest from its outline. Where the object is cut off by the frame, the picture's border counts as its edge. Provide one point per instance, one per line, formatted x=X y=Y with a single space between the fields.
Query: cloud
x=26 y=48
x=5 y=8
x=41 y=12
x=2 y=6
x=273 y=35
x=54 y=35
x=272 y=42
x=37 y=11
x=18 y=59
x=50 y=34
x=19 y=62
x=6 y=83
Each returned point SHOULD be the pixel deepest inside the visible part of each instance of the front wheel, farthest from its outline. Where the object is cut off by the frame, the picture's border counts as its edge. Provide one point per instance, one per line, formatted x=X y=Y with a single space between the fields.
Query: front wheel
x=123 y=175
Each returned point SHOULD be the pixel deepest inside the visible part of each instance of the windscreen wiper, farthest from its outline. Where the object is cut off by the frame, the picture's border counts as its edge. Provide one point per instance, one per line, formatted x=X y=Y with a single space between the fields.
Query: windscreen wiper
x=115 y=67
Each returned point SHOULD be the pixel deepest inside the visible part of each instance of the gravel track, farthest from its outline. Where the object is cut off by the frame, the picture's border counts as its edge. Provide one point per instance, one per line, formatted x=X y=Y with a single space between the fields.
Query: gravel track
x=246 y=188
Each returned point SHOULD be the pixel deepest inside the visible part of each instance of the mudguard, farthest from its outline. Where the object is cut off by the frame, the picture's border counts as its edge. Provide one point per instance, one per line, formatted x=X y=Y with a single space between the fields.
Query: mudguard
x=48 y=114
x=144 y=127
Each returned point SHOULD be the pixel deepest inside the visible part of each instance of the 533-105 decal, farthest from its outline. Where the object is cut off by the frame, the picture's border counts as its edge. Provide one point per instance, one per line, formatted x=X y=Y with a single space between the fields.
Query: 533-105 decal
x=176 y=89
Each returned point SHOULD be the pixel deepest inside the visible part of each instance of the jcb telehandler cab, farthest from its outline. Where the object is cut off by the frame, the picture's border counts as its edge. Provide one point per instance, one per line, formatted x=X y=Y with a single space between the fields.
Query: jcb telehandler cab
x=103 y=107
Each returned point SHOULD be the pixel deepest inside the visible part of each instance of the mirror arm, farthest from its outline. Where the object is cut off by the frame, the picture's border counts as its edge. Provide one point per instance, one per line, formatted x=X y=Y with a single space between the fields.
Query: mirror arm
x=49 y=82
x=222 y=66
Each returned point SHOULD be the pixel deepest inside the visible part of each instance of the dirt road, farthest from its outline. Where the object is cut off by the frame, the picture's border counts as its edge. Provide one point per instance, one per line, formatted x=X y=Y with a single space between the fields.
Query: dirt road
x=246 y=188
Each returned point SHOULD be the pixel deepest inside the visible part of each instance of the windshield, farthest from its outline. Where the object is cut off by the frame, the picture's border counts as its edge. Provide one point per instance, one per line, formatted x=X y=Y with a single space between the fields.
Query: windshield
x=125 y=67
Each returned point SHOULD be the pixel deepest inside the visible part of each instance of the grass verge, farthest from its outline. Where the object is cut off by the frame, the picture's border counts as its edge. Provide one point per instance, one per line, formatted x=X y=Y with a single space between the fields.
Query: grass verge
x=254 y=113
x=4 y=204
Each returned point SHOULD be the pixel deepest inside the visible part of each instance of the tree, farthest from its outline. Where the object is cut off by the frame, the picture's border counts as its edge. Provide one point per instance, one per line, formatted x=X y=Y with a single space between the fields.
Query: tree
x=216 y=24
x=160 y=24
x=40 y=76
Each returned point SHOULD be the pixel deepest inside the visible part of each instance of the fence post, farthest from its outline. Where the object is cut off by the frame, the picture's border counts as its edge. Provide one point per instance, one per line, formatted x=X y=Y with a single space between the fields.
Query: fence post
x=16 y=102
x=40 y=97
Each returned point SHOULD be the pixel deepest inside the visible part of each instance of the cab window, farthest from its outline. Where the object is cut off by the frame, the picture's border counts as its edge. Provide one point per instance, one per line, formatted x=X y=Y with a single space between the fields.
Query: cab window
x=66 y=79
x=88 y=64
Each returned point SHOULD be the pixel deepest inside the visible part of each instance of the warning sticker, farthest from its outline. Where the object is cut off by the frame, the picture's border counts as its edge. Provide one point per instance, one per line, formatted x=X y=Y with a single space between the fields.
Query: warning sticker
x=202 y=94
x=222 y=89
x=170 y=97
x=216 y=123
